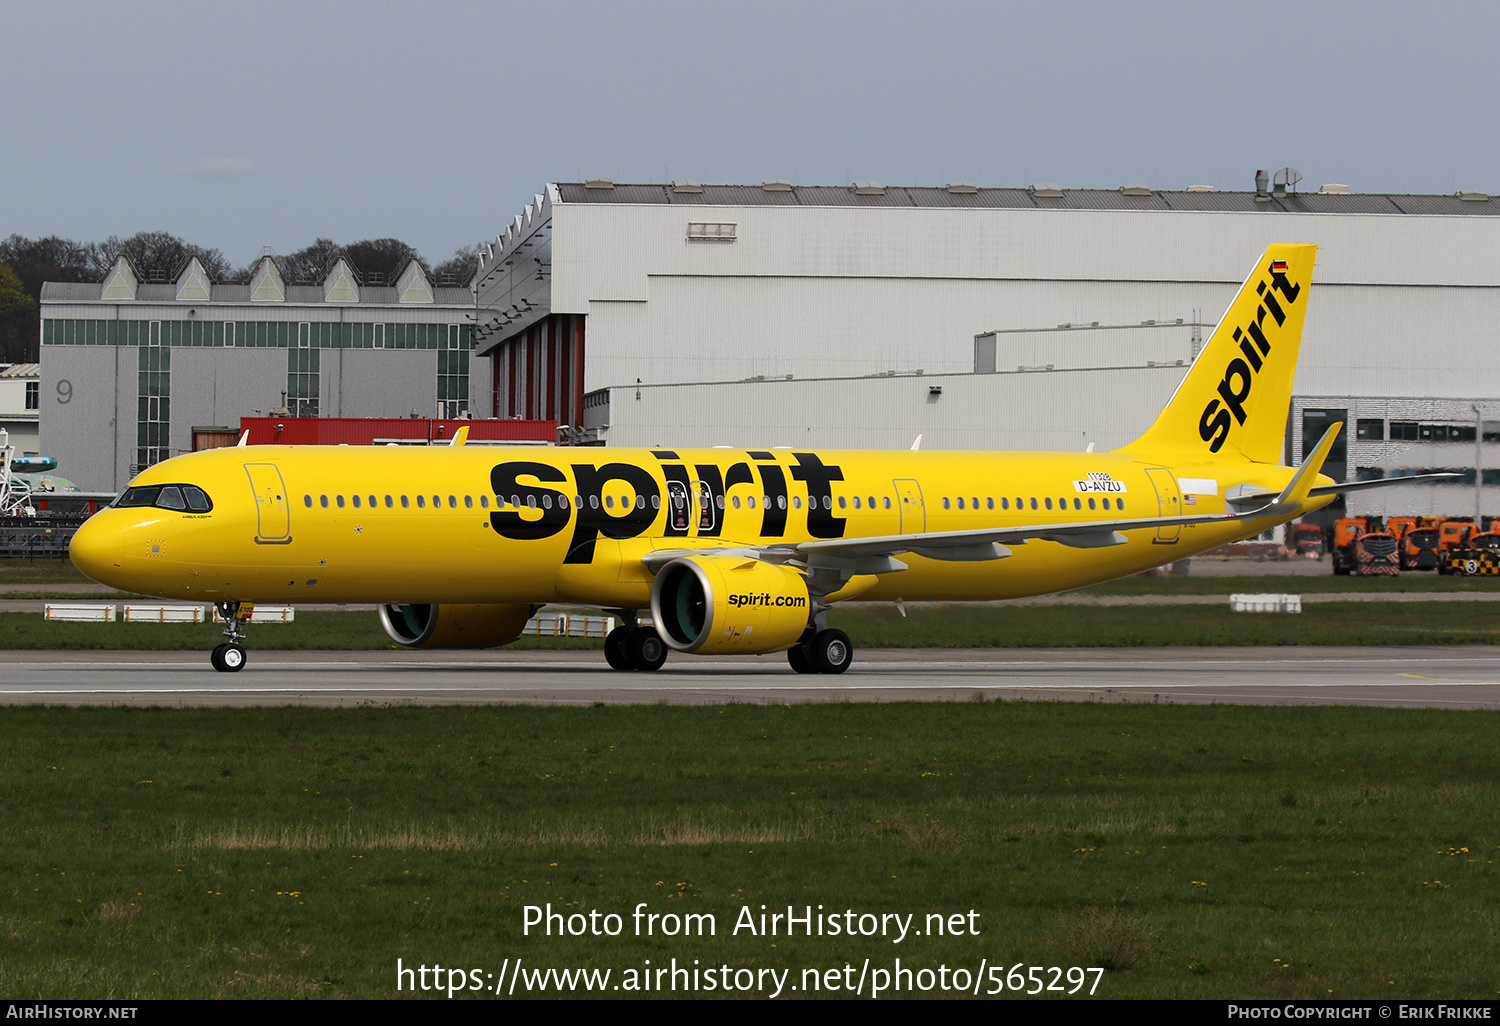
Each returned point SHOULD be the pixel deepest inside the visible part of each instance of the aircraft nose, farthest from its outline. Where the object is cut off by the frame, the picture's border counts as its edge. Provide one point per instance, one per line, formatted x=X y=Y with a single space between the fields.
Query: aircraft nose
x=95 y=550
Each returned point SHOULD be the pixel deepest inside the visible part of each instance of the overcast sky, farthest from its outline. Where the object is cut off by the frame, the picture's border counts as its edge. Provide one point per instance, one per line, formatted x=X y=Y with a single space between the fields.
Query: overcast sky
x=261 y=124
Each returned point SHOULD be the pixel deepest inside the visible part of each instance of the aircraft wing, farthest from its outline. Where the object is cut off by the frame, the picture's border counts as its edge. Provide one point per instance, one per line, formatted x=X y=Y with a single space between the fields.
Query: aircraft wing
x=877 y=555
x=1260 y=495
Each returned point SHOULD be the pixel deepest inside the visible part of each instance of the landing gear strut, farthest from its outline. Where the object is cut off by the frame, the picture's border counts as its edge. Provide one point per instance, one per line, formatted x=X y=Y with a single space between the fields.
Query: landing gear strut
x=230 y=656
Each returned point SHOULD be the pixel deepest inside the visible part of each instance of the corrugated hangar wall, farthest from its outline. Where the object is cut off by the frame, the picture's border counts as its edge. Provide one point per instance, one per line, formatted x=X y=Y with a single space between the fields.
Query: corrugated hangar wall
x=1406 y=291
x=1061 y=410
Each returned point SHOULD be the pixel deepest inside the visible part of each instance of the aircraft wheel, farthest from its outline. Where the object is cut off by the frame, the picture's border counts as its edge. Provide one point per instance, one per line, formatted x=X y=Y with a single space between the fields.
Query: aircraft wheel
x=617 y=648
x=831 y=651
x=799 y=659
x=647 y=650
x=228 y=658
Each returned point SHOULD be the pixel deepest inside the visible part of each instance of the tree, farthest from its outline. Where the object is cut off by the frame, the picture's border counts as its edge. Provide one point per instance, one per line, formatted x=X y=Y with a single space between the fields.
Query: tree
x=459 y=269
x=18 y=319
x=312 y=263
x=159 y=256
x=381 y=261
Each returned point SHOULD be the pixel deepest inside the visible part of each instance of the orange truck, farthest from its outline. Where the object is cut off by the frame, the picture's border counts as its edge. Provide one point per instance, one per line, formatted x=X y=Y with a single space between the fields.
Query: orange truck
x=1346 y=531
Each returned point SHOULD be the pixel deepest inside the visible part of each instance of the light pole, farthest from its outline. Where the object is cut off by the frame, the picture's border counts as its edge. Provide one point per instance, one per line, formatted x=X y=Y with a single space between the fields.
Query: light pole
x=1478 y=467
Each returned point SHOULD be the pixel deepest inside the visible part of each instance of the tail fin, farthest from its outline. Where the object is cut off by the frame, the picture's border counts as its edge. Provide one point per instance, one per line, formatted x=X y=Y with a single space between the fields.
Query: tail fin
x=1235 y=398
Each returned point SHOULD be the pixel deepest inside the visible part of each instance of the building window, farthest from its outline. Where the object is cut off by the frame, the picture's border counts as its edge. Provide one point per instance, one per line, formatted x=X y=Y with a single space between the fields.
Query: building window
x=33 y=395
x=1370 y=430
x=302 y=381
x=1403 y=431
x=153 y=399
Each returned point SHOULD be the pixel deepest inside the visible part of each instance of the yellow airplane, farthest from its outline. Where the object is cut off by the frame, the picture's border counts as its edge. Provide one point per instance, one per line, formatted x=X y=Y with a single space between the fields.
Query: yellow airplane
x=732 y=551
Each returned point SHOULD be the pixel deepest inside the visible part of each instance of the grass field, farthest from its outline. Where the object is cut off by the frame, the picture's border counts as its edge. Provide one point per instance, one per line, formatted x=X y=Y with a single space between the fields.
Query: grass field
x=880 y=626
x=1191 y=851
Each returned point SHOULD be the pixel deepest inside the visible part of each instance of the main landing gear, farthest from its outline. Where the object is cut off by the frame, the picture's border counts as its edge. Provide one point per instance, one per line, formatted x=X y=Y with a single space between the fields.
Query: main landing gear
x=230 y=656
x=826 y=651
x=634 y=646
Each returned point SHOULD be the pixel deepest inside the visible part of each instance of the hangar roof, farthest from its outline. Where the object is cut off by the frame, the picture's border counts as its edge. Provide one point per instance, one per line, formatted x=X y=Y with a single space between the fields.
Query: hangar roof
x=873 y=195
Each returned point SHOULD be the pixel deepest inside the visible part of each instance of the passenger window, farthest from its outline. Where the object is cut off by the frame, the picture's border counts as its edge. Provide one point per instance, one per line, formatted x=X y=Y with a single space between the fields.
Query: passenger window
x=946 y=504
x=338 y=500
x=373 y=503
x=515 y=500
x=1033 y=502
x=1049 y=503
x=750 y=501
x=388 y=502
x=405 y=503
x=1078 y=503
x=484 y=502
x=323 y=500
x=1004 y=503
x=593 y=502
x=562 y=502
x=797 y=502
x=1091 y=503
x=421 y=502
x=887 y=502
x=469 y=501
x=736 y=502
x=989 y=502
x=640 y=502
x=546 y=501
x=531 y=502
x=960 y=502
x=720 y=501
x=437 y=502
x=975 y=505
x=609 y=502
x=307 y=501
x=856 y=502
x=171 y=498
x=656 y=502
x=354 y=499
x=781 y=502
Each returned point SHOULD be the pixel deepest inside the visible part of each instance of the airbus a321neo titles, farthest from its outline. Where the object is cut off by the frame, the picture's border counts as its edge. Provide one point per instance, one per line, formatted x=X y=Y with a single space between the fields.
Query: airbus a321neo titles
x=732 y=551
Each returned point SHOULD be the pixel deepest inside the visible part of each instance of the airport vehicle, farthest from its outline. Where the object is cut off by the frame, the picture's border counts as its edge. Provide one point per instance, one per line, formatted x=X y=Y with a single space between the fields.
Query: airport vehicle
x=733 y=551
x=1376 y=554
x=1453 y=534
x=1308 y=540
x=1419 y=548
x=1478 y=557
x=1346 y=531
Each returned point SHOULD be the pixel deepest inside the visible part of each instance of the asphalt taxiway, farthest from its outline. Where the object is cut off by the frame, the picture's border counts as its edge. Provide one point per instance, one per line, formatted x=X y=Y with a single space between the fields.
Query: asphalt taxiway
x=1451 y=678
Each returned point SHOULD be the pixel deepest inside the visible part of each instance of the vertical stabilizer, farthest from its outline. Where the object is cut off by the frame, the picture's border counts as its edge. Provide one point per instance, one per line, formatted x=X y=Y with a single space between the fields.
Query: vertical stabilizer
x=1233 y=403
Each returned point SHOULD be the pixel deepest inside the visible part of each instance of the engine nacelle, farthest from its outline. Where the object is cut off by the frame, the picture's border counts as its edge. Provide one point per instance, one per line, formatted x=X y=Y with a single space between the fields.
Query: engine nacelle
x=454 y=626
x=729 y=604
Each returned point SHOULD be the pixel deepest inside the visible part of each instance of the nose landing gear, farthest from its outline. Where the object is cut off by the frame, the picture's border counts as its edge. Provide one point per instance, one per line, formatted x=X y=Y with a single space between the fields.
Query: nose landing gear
x=230 y=656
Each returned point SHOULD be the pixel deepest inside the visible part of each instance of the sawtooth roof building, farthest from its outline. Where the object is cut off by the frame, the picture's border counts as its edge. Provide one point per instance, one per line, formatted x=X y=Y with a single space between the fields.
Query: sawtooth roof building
x=135 y=371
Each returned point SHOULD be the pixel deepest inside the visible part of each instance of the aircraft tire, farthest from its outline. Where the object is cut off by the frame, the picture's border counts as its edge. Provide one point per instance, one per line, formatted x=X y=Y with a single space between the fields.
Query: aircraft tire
x=647 y=650
x=617 y=648
x=216 y=657
x=831 y=651
x=230 y=658
x=799 y=659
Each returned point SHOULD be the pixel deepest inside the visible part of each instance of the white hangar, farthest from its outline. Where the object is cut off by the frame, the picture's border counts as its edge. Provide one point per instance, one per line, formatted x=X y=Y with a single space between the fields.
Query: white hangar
x=862 y=316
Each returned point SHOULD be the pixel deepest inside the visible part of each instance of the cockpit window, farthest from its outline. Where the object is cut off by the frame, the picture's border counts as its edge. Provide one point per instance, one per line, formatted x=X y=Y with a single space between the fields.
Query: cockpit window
x=179 y=497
